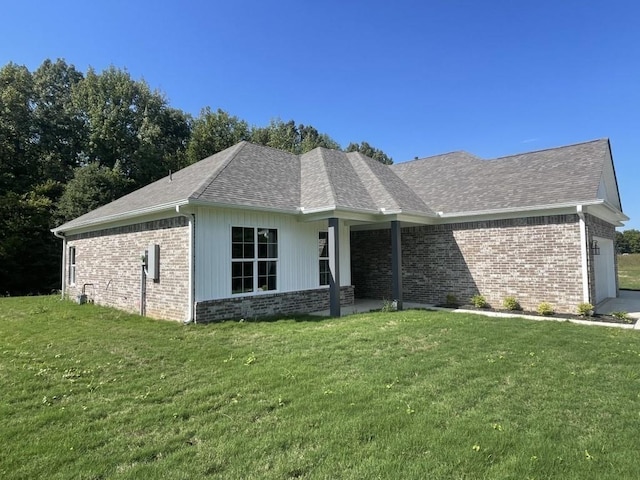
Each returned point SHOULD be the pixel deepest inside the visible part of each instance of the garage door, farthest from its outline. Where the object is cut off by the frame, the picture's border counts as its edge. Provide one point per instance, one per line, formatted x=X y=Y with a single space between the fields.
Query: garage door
x=604 y=266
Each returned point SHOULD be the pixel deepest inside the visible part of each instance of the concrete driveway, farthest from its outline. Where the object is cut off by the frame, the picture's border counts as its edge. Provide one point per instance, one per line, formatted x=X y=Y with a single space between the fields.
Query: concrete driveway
x=628 y=301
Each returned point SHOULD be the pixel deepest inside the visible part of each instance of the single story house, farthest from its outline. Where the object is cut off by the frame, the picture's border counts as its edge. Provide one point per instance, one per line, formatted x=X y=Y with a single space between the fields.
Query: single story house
x=253 y=231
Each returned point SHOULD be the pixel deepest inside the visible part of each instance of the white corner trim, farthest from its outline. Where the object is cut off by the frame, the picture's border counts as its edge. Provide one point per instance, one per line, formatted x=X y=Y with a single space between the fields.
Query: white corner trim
x=583 y=255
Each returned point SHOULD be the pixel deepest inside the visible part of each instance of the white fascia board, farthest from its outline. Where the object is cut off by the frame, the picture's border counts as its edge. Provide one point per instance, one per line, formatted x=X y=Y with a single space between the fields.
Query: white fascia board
x=363 y=215
x=141 y=215
x=119 y=219
x=411 y=217
x=500 y=213
x=608 y=213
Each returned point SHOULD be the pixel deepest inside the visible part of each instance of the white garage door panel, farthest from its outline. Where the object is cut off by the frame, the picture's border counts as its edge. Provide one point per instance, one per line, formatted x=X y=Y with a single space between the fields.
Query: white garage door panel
x=604 y=266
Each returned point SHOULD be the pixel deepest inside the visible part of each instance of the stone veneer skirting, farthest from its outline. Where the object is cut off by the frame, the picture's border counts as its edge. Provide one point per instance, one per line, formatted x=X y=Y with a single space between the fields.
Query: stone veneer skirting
x=288 y=303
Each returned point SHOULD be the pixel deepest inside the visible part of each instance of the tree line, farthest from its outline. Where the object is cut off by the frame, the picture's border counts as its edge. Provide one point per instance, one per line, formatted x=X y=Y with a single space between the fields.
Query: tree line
x=72 y=141
x=628 y=241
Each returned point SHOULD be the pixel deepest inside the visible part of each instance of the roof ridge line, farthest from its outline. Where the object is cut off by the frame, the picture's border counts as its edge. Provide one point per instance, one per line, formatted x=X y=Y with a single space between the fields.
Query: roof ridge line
x=361 y=157
x=550 y=148
x=475 y=157
x=211 y=178
x=326 y=176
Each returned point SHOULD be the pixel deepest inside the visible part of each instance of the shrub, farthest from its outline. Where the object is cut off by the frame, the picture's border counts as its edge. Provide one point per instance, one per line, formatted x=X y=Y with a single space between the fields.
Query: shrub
x=622 y=316
x=510 y=303
x=545 y=308
x=585 y=309
x=389 y=306
x=479 y=301
x=452 y=299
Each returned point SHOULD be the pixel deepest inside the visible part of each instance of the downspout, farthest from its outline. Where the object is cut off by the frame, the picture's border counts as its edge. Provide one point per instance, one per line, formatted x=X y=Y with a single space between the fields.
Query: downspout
x=64 y=262
x=584 y=254
x=191 y=297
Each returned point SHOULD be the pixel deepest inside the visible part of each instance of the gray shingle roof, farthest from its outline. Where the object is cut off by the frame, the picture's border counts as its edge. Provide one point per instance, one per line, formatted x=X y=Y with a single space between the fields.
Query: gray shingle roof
x=254 y=176
x=458 y=182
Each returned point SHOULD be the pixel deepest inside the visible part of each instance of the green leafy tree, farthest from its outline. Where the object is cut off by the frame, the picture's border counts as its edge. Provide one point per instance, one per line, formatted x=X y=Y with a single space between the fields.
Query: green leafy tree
x=628 y=241
x=310 y=138
x=213 y=132
x=61 y=138
x=17 y=153
x=130 y=125
x=284 y=136
x=29 y=254
x=371 y=152
x=91 y=187
x=292 y=138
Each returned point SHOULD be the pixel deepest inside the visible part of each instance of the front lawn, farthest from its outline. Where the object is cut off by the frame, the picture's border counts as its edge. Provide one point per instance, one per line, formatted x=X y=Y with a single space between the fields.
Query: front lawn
x=89 y=392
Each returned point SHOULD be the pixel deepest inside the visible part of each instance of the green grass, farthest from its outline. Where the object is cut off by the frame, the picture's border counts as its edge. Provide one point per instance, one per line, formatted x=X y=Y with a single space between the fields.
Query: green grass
x=88 y=392
x=629 y=271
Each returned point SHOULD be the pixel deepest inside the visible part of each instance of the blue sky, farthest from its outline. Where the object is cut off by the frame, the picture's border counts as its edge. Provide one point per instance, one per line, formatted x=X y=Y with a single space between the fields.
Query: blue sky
x=494 y=78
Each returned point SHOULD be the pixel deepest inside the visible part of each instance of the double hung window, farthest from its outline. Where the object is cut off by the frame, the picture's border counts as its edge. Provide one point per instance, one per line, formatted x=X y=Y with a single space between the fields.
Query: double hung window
x=323 y=257
x=254 y=259
x=72 y=265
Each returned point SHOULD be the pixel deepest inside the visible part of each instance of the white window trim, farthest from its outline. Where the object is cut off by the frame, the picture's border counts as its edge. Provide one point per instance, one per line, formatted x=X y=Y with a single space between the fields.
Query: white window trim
x=256 y=260
x=320 y=258
x=71 y=253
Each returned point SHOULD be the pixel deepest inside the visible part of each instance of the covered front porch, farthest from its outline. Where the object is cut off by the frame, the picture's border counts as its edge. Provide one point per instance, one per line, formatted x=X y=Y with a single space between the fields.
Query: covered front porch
x=391 y=272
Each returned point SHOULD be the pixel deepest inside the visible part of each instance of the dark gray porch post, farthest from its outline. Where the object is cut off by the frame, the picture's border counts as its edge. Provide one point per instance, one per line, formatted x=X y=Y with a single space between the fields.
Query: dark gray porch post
x=396 y=263
x=334 y=267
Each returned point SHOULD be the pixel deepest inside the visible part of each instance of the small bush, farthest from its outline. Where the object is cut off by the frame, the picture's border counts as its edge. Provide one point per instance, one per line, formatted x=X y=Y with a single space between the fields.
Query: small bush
x=622 y=316
x=452 y=299
x=585 y=309
x=479 y=301
x=545 y=308
x=389 y=305
x=510 y=303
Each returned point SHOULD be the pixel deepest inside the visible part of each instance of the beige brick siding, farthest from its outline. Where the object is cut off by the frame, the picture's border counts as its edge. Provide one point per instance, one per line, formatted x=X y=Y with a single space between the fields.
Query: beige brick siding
x=599 y=228
x=109 y=262
x=535 y=259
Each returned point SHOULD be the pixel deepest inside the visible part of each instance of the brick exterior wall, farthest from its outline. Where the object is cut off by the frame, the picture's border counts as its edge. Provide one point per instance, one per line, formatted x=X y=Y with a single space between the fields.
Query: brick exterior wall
x=109 y=260
x=535 y=259
x=265 y=305
x=599 y=228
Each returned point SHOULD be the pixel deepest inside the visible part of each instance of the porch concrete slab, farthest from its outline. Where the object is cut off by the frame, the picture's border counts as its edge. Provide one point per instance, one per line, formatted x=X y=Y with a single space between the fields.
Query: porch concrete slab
x=627 y=301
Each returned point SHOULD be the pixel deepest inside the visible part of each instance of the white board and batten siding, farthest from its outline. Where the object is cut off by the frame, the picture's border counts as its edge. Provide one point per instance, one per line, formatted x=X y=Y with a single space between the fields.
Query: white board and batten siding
x=298 y=261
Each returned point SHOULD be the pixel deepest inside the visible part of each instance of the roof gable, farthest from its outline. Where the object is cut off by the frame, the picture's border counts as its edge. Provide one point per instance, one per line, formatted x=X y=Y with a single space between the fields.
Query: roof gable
x=608 y=187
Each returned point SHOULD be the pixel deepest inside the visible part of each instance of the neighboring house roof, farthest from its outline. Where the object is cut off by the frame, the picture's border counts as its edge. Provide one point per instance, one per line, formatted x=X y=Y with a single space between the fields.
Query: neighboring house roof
x=323 y=180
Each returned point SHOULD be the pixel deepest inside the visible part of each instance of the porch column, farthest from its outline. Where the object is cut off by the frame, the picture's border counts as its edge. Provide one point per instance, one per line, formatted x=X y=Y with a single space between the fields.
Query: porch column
x=396 y=263
x=334 y=267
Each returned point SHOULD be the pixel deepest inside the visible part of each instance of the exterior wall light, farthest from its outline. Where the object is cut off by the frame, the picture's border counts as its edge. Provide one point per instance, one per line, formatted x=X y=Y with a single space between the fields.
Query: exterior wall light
x=595 y=249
